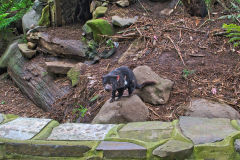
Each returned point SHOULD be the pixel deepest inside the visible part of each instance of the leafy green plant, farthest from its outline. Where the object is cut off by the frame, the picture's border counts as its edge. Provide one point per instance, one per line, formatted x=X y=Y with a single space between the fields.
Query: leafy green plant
x=12 y=10
x=110 y=43
x=187 y=72
x=3 y=102
x=80 y=110
x=233 y=31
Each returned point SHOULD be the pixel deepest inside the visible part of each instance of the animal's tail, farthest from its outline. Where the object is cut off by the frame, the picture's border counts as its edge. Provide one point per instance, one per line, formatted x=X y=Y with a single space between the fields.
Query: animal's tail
x=144 y=84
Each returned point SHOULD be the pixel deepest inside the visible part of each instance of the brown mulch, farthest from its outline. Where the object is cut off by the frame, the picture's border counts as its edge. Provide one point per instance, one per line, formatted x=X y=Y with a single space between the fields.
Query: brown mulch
x=212 y=63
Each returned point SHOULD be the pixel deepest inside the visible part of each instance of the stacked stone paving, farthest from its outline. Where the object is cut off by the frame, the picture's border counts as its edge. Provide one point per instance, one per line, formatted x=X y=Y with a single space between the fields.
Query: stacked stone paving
x=186 y=138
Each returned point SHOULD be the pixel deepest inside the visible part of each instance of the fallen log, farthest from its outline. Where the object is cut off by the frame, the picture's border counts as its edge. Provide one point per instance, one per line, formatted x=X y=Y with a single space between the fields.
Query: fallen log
x=33 y=80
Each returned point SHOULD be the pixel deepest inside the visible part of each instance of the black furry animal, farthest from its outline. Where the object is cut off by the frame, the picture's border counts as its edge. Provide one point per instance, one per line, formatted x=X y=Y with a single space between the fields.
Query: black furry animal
x=120 y=79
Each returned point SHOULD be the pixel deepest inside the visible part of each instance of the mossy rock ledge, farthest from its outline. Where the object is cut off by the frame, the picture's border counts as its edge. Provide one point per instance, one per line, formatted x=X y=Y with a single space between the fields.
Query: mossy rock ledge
x=187 y=138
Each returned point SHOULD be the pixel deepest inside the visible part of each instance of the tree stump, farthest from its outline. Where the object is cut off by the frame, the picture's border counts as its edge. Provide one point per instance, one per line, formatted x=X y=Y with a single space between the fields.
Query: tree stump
x=195 y=7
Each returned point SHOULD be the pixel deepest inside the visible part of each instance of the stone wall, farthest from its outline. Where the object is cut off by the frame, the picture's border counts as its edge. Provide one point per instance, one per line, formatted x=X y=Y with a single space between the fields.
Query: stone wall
x=186 y=138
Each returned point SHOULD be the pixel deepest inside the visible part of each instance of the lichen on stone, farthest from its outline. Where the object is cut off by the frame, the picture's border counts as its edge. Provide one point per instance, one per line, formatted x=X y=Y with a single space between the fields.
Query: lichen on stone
x=45 y=17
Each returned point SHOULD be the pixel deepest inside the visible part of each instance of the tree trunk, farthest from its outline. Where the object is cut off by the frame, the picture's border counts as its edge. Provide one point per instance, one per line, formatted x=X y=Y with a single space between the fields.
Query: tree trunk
x=32 y=78
x=195 y=7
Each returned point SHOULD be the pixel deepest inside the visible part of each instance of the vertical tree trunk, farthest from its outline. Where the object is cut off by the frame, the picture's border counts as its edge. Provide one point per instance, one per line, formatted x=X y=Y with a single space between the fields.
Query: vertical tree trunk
x=195 y=7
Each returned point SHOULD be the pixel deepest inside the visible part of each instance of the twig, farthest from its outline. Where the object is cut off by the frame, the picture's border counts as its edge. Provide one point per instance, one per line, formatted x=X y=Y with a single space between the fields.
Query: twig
x=139 y=32
x=154 y=112
x=176 y=48
x=205 y=23
x=143 y=7
x=175 y=7
x=186 y=28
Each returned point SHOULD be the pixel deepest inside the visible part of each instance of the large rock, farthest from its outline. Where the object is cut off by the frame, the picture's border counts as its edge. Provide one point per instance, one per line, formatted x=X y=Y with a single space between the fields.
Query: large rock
x=100 y=27
x=174 y=149
x=147 y=131
x=60 y=47
x=154 y=94
x=5 y=39
x=75 y=72
x=10 y=51
x=204 y=130
x=32 y=17
x=211 y=109
x=127 y=109
x=123 y=22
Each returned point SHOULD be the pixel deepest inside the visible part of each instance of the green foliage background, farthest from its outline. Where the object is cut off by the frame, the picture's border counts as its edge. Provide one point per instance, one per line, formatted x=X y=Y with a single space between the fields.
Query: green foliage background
x=12 y=10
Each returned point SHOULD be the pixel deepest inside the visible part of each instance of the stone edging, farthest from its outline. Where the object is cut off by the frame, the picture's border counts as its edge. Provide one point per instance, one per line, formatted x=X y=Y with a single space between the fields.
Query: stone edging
x=186 y=138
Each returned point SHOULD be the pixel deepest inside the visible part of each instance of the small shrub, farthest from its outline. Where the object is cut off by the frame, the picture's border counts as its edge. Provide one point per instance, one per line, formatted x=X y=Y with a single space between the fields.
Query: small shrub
x=80 y=110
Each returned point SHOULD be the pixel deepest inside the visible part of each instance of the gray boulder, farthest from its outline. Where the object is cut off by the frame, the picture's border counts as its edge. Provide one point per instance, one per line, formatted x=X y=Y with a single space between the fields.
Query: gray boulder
x=30 y=19
x=10 y=51
x=127 y=109
x=154 y=94
x=123 y=22
x=210 y=109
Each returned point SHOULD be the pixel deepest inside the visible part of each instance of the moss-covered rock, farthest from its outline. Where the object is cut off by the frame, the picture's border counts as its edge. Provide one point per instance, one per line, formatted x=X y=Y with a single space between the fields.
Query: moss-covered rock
x=99 y=12
x=100 y=27
x=45 y=18
x=75 y=72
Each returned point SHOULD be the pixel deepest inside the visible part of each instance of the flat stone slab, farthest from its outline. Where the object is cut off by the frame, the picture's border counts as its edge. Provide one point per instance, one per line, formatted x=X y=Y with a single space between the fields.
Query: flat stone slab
x=59 y=67
x=174 y=149
x=121 y=150
x=78 y=131
x=46 y=150
x=1 y=118
x=26 y=52
x=22 y=128
x=147 y=131
x=204 y=130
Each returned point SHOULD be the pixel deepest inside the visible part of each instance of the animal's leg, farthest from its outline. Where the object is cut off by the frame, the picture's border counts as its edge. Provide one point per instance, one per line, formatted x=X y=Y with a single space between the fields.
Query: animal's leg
x=120 y=93
x=113 y=96
x=130 y=90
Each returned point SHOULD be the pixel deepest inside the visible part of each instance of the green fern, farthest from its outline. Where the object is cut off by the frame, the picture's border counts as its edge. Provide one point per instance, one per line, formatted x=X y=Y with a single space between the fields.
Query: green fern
x=233 y=31
x=12 y=10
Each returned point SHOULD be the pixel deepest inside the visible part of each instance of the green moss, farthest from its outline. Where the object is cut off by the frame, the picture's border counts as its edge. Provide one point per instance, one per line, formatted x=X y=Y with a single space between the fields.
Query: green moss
x=45 y=17
x=113 y=133
x=9 y=117
x=100 y=27
x=46 y=131
x=220 y=150
x=235 y=124
x=73 y=75
x=176 y=134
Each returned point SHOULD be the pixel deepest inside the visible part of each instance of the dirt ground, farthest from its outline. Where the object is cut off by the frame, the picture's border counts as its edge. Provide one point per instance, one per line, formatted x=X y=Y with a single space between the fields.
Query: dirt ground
x=210 y=67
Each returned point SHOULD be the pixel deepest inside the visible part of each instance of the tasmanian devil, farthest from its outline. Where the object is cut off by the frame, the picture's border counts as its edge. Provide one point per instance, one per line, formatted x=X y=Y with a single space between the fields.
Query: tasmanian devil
x=120 y=79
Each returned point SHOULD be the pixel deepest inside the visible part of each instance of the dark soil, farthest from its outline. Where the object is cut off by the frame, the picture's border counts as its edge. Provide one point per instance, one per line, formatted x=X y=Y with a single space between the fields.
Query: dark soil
x=210 y=60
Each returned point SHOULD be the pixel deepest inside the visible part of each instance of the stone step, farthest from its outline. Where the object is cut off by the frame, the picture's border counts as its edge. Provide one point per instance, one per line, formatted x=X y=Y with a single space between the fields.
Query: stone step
x=26 y=52
x=121 y=150
x=59 y=67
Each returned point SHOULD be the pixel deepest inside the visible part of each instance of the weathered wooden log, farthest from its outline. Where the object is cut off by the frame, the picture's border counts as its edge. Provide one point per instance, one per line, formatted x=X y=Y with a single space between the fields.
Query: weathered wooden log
x=32 y=78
